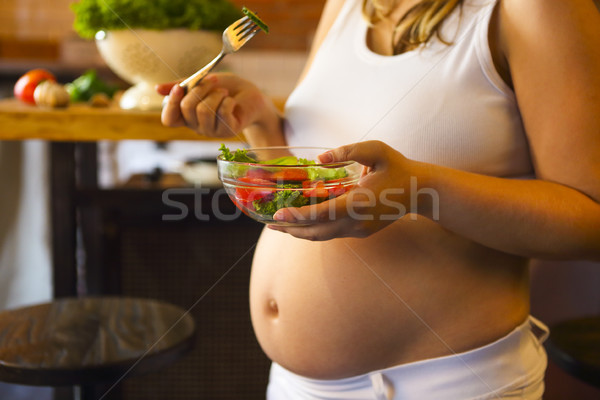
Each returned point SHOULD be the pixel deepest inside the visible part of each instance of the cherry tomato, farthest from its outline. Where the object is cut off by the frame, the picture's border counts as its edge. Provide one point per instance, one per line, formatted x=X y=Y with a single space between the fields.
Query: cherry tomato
x=26 y=84
x=290 y=174
x=246 y=195
x=257 y=174
x=317 y=189
x=314 y=189
x=337 y=190
x=242 y=206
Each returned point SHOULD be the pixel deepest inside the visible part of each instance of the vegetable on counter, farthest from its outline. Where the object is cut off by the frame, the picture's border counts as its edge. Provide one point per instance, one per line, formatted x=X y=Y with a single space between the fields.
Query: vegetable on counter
x=39 y=87
x=89 y=85
x=51 y=94
x=25 y=86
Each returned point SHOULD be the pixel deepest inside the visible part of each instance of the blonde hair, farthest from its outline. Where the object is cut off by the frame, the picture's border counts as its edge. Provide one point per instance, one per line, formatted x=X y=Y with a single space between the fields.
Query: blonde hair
x=419 y=23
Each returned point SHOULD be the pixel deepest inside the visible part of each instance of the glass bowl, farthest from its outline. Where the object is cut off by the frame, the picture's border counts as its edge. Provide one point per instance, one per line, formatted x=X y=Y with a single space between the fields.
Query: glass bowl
x=284 y=177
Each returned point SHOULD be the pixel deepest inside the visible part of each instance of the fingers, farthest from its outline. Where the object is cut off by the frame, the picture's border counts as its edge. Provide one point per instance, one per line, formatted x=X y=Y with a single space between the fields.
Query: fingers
x=323 y=212
x=171 y=112
x=192 y=103
x=199 y=108
x=226 y=122
x=323 y=221
x=220 y=106
x=206 y=109
x=249 y=100
x=369 y=153
x=330 y=230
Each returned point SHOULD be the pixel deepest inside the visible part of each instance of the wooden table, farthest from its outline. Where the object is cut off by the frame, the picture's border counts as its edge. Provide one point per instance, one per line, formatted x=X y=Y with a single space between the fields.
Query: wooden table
x=575 y=346
x=81 y=123
x=73 y=133
x=91 y=340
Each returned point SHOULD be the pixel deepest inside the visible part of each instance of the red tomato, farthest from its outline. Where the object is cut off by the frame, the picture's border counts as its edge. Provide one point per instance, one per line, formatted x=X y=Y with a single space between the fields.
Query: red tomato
x=337 y=190
x=242 y=206
x=26 y=84
x=246 y=195
x=318 y=189
x=314 y=189
x=290 y=174
x=258 y=174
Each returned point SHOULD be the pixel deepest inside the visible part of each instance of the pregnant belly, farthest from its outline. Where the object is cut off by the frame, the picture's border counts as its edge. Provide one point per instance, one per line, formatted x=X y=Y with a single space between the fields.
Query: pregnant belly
x=344 y=307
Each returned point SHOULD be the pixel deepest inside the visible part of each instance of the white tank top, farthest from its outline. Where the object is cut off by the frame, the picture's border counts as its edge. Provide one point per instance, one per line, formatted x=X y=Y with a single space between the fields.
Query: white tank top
x=440 y=104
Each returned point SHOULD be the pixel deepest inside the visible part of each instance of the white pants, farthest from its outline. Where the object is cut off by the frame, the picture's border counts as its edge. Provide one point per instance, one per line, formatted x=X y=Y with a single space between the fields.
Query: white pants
x=512 y=367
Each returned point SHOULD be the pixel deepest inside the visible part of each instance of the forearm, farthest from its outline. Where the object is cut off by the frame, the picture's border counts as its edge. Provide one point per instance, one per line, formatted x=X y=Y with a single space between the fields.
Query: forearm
x=531 y=218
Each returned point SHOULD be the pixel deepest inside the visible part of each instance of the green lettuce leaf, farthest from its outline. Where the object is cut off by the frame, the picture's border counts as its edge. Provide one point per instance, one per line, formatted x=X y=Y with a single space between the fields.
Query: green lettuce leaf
x=281 y=199
x=325 y=174
x=240 y=155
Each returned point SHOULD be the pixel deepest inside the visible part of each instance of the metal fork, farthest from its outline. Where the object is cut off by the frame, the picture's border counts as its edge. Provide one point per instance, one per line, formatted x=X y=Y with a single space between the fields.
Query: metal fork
x=234 y=37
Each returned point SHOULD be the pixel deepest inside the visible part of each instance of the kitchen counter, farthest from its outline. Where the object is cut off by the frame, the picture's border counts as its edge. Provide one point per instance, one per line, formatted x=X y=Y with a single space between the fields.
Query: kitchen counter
x=83 y=123
x=80 y=122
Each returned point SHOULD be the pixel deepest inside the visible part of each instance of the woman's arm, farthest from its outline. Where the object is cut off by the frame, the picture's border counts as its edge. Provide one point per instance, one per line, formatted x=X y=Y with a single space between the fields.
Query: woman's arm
x=223 y=105
x=553 y=51
x=530 y=218
x=552 y=48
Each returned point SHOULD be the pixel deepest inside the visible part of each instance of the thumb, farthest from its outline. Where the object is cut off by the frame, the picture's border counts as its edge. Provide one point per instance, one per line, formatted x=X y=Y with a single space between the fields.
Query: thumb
x=369 y=153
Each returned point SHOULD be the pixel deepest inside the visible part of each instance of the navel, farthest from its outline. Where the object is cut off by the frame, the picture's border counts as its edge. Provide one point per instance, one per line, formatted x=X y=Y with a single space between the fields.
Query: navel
x=272 y=308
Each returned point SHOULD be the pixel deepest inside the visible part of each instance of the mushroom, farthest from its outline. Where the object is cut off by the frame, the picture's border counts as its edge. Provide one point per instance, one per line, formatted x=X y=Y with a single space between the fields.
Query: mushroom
x=51 y=94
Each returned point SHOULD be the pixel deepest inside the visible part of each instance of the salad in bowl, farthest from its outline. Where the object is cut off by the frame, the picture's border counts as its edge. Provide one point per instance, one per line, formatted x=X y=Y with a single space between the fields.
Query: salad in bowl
x=261 y=181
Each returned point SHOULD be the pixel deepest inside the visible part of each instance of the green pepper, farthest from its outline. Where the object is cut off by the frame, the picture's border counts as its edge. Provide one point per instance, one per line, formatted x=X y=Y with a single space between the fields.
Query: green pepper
x=256 y=19
x=87 y=85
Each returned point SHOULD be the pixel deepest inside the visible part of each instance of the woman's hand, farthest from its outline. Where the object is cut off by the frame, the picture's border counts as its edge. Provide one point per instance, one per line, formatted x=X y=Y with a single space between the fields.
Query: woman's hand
x=526 y=217
x=382 y=196
x=222 y=106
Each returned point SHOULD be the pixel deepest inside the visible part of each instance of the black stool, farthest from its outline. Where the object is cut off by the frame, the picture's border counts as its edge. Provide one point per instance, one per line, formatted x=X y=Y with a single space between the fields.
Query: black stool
x=574 y=346
x=88 y=341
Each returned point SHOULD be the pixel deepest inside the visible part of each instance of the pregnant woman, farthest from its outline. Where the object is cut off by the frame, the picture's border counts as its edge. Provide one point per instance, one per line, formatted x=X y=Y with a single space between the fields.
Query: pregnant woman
x=480 y=119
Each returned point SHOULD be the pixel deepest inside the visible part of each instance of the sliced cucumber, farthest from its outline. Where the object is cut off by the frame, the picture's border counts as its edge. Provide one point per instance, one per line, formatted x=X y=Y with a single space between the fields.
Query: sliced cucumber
x=256 y=20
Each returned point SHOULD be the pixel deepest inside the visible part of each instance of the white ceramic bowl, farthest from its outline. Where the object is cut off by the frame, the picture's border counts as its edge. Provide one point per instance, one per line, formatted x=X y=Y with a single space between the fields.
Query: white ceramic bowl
x=147 y=57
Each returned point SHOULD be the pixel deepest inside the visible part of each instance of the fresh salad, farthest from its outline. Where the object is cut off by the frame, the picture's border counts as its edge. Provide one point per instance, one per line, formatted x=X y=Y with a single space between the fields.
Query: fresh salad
x=263 y=187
